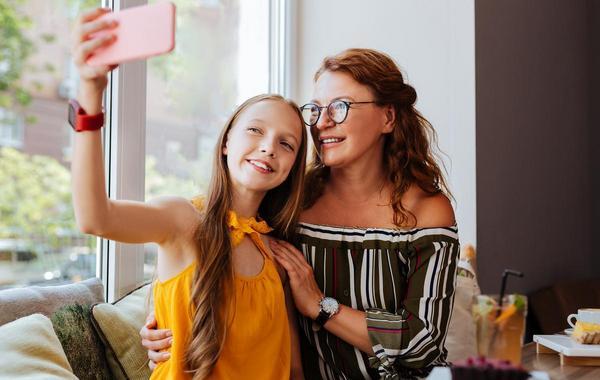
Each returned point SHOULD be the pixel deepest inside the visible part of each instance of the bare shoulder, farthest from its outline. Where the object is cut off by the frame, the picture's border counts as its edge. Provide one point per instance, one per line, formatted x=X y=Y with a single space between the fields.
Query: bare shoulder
x=433 y=210
x=182 y=211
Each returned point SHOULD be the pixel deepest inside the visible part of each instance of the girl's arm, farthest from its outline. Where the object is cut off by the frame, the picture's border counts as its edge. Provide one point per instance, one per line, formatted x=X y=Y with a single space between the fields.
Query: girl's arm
x=296 y=372
x=95 y=213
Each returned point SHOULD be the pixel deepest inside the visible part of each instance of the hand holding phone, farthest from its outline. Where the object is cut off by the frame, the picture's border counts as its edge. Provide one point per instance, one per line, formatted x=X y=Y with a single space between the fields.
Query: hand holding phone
x=141 y=32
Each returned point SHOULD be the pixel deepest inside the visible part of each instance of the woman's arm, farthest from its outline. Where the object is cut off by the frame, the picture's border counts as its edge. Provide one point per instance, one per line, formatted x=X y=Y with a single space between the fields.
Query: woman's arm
x=95 y=213
x=349 y=324
x=412 y=338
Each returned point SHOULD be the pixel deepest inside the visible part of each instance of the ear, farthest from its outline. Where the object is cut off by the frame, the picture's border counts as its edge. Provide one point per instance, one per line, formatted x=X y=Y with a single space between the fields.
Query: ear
x=390 y=118
x=224 y=150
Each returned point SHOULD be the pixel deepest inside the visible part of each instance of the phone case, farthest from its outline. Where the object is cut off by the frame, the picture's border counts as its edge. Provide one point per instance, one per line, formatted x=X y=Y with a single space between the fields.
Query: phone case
x=143 y=32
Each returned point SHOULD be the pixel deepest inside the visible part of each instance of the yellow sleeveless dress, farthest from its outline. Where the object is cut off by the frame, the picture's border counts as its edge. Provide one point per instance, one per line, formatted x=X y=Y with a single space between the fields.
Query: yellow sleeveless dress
x=257 y=345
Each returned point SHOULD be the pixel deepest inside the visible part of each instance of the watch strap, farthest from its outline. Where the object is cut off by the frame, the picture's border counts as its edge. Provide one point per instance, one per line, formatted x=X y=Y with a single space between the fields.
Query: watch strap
x=80 y=121
x=322 y=318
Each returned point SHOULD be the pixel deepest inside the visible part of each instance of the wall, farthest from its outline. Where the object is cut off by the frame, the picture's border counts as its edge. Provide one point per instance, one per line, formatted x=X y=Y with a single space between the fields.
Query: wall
x=534 y=172
x=594 y=121
x=526 y=74
x=433 y=42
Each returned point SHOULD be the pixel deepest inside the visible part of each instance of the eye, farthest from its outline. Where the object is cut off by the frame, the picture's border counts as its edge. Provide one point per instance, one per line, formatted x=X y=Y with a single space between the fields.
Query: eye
x=287 y=146
x=253 y=130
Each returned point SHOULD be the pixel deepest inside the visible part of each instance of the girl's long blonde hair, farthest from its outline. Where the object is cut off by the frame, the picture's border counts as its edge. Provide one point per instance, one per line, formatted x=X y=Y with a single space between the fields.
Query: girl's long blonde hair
x=213 y=279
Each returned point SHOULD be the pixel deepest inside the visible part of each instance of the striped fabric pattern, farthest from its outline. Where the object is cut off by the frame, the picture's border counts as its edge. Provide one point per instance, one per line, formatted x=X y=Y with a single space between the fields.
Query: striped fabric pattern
x=403 y=279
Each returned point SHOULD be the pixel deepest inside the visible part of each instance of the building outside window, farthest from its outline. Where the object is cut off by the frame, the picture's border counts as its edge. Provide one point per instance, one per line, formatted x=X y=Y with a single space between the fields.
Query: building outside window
x=222 y=57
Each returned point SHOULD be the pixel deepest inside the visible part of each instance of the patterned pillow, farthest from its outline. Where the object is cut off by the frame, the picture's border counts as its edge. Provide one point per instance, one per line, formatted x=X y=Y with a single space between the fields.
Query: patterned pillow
x=31 y=350
x=118 y=325
x=81 y=343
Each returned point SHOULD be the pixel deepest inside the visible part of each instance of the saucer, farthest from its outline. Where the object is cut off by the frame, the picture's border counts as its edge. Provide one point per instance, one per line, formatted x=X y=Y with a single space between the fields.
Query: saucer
x=568 y=331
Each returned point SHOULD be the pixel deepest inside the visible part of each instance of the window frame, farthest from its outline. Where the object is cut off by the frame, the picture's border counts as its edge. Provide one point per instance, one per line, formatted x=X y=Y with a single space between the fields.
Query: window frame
x=119 y=265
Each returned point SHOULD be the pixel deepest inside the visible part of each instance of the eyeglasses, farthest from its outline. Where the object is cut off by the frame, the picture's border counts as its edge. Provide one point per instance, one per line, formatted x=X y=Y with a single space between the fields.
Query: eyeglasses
x=336 y=110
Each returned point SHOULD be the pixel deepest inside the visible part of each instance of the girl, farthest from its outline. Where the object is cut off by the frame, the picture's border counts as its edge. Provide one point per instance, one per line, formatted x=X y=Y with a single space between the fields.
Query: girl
x=218 y=288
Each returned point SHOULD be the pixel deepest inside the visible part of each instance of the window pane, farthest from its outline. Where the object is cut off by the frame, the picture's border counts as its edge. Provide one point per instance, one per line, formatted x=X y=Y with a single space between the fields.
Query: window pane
x=221 y=58
x=39 y=242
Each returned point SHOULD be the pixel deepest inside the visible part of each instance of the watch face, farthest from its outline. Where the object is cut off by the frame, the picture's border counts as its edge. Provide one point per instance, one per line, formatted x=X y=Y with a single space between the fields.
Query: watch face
x=72 y=113
x=330 y=305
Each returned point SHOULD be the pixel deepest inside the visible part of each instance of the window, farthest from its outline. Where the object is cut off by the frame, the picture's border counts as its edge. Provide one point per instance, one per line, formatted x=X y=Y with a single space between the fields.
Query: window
x=39 y=242
x=11 y=129
x=221 y=58
x=163 y=116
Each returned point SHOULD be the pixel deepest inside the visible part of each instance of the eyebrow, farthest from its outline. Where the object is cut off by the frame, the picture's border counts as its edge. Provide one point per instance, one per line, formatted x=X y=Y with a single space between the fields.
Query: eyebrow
x=334 y=99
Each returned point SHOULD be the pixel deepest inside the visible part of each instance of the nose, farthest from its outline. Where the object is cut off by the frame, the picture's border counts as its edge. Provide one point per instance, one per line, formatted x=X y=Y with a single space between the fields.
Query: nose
x=324 y=121
x=267 y=147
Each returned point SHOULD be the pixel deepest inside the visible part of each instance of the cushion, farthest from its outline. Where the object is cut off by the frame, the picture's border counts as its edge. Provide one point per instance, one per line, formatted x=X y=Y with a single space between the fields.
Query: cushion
x=68 y=307
x=17 y=303
x=31 y=350
x=81 y=343
x=118 y=325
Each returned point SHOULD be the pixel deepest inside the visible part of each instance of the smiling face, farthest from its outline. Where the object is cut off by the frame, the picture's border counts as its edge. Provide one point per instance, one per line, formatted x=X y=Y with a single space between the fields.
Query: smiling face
x=262 y=146
x=361 y=134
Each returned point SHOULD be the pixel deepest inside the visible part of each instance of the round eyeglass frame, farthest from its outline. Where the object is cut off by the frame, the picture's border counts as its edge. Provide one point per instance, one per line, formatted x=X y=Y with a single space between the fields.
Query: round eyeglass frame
x=347 y=106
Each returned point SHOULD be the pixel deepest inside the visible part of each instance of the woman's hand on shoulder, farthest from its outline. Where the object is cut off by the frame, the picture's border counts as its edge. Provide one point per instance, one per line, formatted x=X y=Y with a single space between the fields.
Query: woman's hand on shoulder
x=434 y=211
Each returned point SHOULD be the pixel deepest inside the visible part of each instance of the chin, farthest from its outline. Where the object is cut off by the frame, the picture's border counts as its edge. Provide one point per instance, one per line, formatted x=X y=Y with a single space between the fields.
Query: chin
x=259 y=186
x=333 y=160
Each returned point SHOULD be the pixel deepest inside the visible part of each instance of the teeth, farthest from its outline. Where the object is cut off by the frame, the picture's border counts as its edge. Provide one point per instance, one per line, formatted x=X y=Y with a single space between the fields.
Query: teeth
x=330 y=140
x=261 y=165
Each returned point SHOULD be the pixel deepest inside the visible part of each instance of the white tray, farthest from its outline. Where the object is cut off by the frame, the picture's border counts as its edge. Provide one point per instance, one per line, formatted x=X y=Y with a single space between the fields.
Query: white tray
x=567 y=346
x=444 y=373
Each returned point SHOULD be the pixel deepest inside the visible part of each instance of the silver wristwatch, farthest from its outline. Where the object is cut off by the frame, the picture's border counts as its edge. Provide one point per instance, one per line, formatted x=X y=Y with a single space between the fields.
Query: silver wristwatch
x=328 y=307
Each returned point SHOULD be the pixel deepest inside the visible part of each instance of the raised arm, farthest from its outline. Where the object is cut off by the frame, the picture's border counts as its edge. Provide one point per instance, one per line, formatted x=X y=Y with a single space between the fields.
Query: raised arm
x=95 y=213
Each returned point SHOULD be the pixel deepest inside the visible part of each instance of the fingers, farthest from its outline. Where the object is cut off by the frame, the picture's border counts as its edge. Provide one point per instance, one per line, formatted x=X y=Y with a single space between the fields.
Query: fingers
x=85 y=49
x=151 y=321
x=153 y=334
x=158 y=357
x=151 y=365
x=290 y=248
x=92 y=14
x=289 y=267
x=157 y=345
x=96 y=26
x=290 y=252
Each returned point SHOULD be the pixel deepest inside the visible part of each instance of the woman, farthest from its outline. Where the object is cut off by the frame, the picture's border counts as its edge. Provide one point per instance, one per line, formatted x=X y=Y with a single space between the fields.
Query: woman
x=377 y=235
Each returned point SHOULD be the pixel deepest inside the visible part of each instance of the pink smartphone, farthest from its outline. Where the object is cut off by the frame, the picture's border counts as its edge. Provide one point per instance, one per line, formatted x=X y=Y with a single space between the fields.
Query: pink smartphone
x=142 y=32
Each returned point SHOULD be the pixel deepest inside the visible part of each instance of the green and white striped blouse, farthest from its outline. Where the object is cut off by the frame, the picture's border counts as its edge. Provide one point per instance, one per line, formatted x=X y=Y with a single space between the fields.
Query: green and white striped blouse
x=403 y=279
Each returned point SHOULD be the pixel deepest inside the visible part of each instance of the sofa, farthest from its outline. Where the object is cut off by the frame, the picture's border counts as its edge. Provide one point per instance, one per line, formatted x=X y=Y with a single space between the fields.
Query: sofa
x=68 y=331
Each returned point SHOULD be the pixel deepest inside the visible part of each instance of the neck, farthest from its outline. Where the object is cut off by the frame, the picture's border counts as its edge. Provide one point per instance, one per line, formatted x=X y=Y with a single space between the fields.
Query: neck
x=245 y=202
x=360 y=180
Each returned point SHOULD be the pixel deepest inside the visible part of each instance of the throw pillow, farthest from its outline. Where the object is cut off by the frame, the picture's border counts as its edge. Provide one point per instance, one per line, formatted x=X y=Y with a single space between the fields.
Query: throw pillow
x=31 y=350
x=118 y=325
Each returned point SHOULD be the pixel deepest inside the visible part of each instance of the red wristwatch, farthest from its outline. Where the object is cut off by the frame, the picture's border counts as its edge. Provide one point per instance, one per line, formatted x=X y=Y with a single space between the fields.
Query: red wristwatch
x=80 y=121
